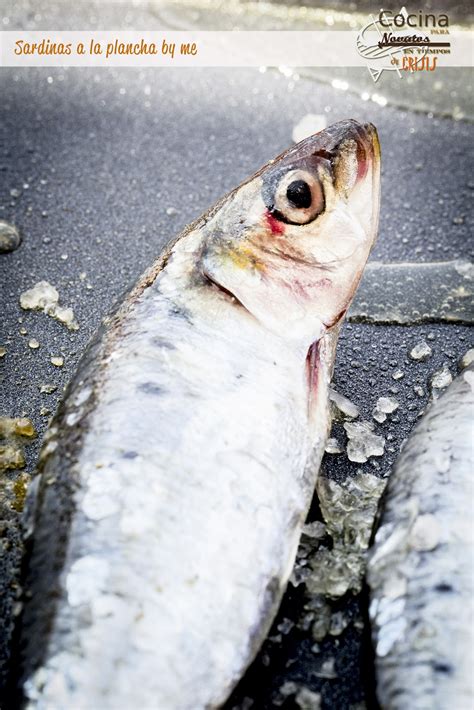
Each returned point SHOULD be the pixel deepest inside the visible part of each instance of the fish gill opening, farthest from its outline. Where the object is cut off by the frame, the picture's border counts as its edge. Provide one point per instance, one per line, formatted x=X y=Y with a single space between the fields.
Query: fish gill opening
x=229 y=296
x=312 y=373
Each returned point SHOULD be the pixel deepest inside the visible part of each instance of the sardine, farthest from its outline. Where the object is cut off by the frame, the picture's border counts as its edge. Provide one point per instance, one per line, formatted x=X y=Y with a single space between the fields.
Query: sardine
x=420 y=571
x=179 y=468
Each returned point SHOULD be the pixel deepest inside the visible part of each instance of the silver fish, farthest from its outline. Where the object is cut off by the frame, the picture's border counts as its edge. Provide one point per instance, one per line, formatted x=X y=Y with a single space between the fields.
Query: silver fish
x=420 y=571
x=180 y=466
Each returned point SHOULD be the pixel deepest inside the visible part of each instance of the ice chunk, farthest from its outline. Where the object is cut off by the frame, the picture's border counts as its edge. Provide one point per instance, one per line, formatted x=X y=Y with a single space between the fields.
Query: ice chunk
x=342 y=408
x=441 y=379
x=384 y=406
x=467 y=359
x=421 y=351
x=363 y=443
x=339 y=622
x=44 y=297
x=307 y=699
x=349 y=511
x=327 y=669
x=47 y=389
x=13 y=433
x=333 y=446
x=315 y=530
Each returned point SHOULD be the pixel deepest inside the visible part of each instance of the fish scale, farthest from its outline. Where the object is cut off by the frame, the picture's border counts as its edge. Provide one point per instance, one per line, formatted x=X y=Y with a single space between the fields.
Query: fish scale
x=151 y=500
x=420 y=570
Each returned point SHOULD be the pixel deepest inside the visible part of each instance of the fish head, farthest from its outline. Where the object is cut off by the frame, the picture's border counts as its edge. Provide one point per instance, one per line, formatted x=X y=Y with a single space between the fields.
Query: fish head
x=291 y=243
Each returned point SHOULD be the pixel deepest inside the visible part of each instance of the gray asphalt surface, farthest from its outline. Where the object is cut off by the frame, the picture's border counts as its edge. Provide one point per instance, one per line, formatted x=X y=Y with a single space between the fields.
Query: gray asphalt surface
x=107 y=165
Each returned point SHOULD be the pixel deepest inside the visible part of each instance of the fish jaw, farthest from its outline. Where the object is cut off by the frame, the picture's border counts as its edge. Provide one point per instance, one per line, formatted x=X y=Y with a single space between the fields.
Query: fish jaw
x=297 y=269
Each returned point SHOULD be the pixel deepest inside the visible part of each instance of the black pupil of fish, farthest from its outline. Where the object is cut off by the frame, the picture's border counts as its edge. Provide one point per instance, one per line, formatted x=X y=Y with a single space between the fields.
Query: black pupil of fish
x=299 y=194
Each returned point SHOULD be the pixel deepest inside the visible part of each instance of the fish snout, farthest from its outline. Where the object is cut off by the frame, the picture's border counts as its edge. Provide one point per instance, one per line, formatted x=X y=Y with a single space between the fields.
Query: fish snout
x=370 y=139
x=368 y=147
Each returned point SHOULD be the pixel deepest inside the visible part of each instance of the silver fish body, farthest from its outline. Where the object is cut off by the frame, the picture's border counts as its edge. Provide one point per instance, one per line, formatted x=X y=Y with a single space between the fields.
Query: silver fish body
x=421 y=568
x=182 y=461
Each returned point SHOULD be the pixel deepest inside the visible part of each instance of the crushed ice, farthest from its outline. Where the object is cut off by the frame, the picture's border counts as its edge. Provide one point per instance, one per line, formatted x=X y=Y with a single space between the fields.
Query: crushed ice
x=421 y=351
x=14 y=434
x=342 y=407
x=440 y=380
x=384 y=406
x=45 y=297
x=349 y=511
x=363 y=443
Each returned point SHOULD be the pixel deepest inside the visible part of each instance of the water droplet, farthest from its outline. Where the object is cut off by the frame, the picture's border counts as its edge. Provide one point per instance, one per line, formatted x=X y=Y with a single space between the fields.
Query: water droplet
x=9 y=237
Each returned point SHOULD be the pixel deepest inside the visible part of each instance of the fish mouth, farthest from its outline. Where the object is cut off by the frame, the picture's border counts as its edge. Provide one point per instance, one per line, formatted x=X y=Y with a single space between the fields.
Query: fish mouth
x=368 y=147
x=332 y=142
x=366 y=135
x=362 y=136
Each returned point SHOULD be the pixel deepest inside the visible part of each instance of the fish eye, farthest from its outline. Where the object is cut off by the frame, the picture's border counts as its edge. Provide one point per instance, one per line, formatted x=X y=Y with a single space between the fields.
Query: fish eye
x=298 y=193
x=297 y=197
